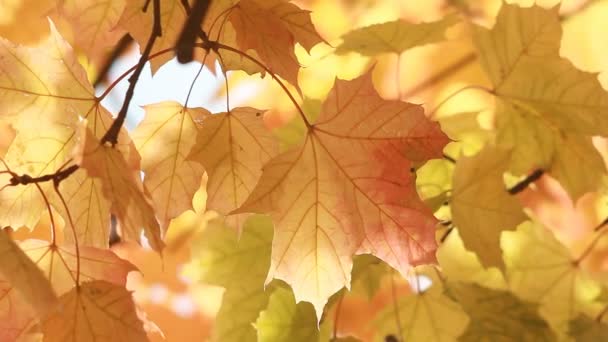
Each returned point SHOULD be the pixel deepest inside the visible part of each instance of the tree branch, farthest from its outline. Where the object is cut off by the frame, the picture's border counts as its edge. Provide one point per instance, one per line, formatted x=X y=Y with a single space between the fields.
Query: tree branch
x=521 y=186
x=122 y=45
x=111 y=136
x=191 y=30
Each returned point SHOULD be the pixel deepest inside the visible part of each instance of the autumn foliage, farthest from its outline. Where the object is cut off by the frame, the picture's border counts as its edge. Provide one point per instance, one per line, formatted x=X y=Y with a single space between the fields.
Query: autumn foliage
x=378 y=171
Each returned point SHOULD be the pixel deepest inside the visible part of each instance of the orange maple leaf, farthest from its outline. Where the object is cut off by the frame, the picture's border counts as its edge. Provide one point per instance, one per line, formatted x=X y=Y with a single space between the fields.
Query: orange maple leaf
x=348 y=189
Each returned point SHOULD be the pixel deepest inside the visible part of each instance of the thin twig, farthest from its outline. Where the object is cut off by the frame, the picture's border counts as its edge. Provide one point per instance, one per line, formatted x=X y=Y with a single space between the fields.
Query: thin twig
x=48 y=207
x=75 y=236
x=191 y=30
x=111 y=136
x=521 y=186
x=120 y=47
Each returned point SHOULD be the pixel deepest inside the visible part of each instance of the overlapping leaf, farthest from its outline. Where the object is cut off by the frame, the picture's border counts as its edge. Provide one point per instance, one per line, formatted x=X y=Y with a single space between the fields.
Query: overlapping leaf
x=43 y=90
x=394 y=36
x=233 y=147
x=240 y=266
x=60 y=264
x=16 y=315
x=139 y=25
x=95 y=311
x=164 y=138
x=555 y=106
x=499 y=316
x=532 y=253
x=18 y=270
x=348 y=189
x=426 y=316
x=284 y=320
x=121 y=183
x=458 y=264
x=481 y=206
x=94 y=23
x=271 y=28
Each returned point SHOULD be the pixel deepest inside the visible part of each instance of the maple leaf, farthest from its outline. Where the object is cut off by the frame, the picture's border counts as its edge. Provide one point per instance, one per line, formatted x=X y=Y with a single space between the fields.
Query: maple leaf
x=121 y=184
x=170 y=178
x=43 y=94
x=95 y=311
x=240 y=266
x=426 y=316
x=368 y=272
x=347 y=189
x=458 y=264
x=16 y=315
x=88 y=208
x=93 y=23
x=60 y=264
x=23 y=275
x=284 y=320
x=139 y=25
x=481 y=206
x=394 y=36
x=233 y=147
x=545 y=95
x=270 y=28
x=499 y=316
x=533 y=253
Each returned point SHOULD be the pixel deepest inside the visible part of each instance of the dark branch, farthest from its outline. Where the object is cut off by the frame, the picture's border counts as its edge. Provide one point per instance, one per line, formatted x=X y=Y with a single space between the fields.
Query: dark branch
x=602 y=224
x=26 y=179
x=521 y=186
x=122 y=45
x=111 y=135
x=448 y=158
x=191 y=30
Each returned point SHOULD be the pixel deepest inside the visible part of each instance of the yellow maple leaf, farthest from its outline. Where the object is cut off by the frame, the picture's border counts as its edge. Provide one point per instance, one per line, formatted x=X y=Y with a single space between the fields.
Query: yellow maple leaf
x=426 y=316
x=16 y=315
x=233 y=147
x=347 y=189
x=285 y=321
x=545 y=94
x=394 y=36
x=498 y=315
x=481 y=206
x=61 y=267
x=118 y=169
x=532 y=253
x=170 y=178
x=94 y=24
x=239 y=265
x=25 y=277
x=95 y=311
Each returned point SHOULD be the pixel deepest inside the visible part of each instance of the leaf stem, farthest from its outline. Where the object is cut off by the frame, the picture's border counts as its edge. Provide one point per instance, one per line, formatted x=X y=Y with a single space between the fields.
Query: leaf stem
x=111 y=135
x=590 y=248
x=75 y=236
x=48 y=207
